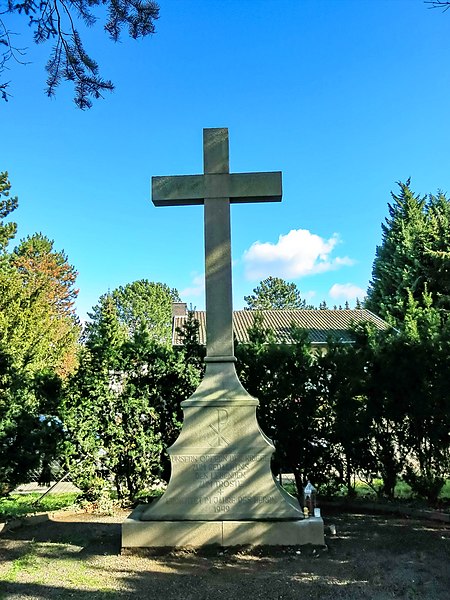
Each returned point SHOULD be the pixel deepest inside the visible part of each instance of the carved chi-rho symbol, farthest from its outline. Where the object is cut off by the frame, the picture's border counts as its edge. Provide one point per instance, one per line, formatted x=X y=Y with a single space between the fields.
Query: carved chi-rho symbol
x=218 y=427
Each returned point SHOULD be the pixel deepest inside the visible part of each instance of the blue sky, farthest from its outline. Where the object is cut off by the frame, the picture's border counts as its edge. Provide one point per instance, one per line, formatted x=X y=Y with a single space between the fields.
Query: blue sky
x=345 y=97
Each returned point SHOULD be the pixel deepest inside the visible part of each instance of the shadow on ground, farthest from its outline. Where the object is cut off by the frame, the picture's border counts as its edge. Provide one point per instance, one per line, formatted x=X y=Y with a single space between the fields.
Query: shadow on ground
x=371 y=557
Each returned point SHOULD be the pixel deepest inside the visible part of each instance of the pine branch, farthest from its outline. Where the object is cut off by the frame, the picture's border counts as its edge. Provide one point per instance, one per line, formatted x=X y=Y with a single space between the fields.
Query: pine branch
x=69 y=61
x=442 y=4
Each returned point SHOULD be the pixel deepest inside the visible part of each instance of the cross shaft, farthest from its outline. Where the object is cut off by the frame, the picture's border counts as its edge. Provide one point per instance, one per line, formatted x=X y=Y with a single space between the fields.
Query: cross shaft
x=216 y=189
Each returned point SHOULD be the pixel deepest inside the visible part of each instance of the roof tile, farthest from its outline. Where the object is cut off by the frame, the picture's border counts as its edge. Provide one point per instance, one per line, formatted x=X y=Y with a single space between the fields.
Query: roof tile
x=320 y=324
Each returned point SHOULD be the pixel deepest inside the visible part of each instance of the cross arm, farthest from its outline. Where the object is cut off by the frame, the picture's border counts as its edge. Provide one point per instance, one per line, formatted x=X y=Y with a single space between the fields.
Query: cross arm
x=255 y=187
x=180 y=190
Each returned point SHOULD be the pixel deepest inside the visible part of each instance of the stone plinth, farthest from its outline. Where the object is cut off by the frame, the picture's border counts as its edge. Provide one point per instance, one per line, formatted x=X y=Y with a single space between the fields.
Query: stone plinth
x=195 y=534
x=221 y=460
x=222 y=491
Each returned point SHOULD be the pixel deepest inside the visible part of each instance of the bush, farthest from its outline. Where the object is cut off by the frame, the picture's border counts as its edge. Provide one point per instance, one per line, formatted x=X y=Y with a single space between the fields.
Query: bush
x=427 y=486
x=30 y=429
x=122 y=412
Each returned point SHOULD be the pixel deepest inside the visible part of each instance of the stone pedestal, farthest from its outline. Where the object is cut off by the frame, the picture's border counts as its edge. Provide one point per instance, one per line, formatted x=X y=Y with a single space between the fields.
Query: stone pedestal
x=198 y=534
x=221 y=489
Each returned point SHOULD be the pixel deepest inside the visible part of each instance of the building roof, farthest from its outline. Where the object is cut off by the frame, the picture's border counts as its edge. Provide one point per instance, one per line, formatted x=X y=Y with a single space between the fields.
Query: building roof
x=320 y=324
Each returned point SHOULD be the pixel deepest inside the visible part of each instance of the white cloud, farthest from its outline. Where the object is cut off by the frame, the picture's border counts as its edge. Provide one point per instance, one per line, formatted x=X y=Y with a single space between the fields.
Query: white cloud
x=296 y=254
x=197 y=287
x=346 y=291
x=309 y=295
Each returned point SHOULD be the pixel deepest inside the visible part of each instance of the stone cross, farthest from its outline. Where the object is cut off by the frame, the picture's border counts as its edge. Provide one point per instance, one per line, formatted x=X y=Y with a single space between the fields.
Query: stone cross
x=221 y=489
x=216 y=189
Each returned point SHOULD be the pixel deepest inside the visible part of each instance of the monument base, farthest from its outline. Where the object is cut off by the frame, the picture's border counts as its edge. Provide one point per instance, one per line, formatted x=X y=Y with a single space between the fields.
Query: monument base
x=196 y=534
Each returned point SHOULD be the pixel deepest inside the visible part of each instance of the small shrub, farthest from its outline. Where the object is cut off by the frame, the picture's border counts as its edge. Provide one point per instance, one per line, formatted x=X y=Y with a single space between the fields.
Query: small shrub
x=147 y=496
x=331 y=489
x=104 y=504
x=427 y=485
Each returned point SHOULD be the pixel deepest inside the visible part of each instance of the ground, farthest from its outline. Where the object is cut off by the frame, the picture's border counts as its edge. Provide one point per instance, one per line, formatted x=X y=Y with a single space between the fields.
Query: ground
x=77 y=556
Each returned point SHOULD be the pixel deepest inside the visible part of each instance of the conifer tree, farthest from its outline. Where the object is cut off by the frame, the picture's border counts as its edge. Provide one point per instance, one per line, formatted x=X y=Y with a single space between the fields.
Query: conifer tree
x=397 y=267
x=436 y=259
x=414 y=256
x=275 y=293
x=38 y=342
x=39 y=315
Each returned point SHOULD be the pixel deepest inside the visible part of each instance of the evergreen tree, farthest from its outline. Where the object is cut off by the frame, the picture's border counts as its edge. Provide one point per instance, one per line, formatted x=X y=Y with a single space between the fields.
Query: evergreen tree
x=106 y=334
x=436 y=260
x=30 y=428
x=275 y=293
x=425 y=350
x=36 y=296
x=414 y=256
x=405 y=381
x=7 y=205
x=396 y=268
x=341 y=400
x=45 y=270
x=284 y=380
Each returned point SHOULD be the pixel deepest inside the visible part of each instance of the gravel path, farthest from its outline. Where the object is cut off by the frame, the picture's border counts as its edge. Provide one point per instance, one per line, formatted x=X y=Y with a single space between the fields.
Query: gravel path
x=372 y=557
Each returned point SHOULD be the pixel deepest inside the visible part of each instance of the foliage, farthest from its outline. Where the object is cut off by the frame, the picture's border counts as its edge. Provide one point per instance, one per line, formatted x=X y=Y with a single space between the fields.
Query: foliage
x=122 y=407
x=275 y=293
x=30 y=429
x=311 y=404
x=436 y=260
x=36 y=319
x=426 y=348
x=375 y=408
x=141 y=305
x=442 y=4
x=340 y=392
x=280 y=377
x=40 y=306
x=44 y=269
x=69 y=60
x=406 y=386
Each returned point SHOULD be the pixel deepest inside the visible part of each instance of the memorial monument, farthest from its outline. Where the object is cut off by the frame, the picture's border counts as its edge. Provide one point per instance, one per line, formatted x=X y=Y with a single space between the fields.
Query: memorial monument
x=221 y=489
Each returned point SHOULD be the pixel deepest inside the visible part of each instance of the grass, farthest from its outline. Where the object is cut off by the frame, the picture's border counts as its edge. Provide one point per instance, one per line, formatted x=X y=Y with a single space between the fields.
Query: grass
x=42 y=562
x=402 y=491
x=19 y=505
x=28 y=561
